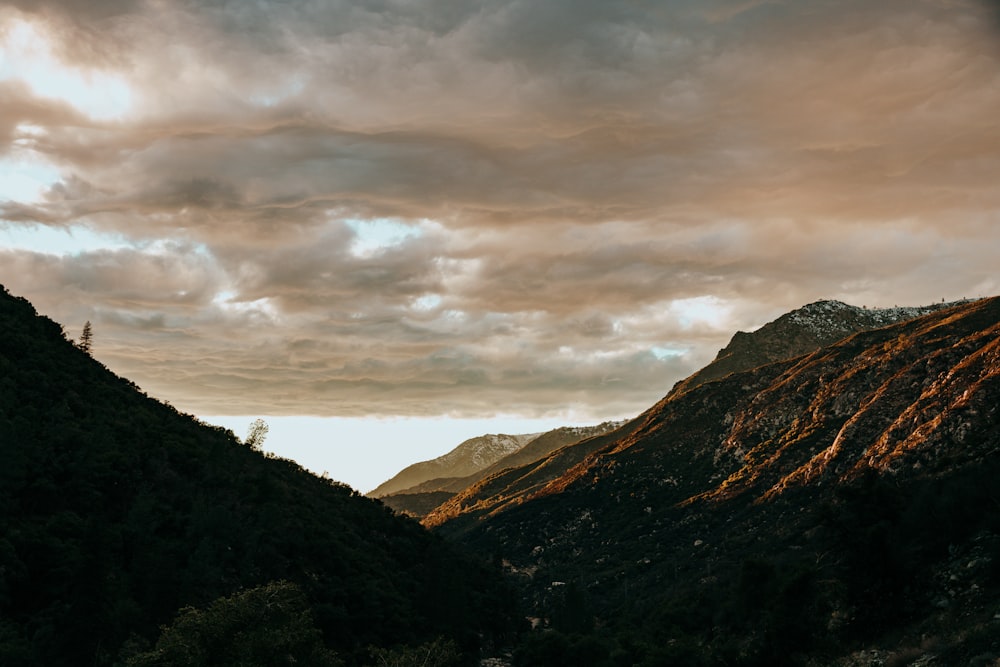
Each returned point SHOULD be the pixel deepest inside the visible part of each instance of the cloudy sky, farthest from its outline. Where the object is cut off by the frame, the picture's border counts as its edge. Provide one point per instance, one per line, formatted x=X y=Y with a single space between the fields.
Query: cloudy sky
x=387 y=225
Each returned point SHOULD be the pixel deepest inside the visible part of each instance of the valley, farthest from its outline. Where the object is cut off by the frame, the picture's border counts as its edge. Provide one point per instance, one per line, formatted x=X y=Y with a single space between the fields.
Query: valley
x=832 y=502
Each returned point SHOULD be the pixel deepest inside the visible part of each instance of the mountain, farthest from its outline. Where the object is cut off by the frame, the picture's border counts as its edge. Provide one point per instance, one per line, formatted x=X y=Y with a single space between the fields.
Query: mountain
x=469 y=457
x=423 y=498
x=803 y=330
x=798 y=332
x=837 y=507
x=542 y=446
x=118 y=514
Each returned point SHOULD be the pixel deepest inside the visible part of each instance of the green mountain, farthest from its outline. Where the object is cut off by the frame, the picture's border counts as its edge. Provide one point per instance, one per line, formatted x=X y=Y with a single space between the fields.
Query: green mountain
x=118 y=513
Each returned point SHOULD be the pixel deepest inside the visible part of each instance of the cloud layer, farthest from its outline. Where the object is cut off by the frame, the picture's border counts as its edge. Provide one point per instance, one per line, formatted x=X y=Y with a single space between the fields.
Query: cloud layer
x=362 y=208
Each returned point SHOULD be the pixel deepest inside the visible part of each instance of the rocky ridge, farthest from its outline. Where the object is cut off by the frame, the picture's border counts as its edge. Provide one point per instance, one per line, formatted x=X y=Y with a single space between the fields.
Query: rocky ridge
x=798 y=332
x=807 y=506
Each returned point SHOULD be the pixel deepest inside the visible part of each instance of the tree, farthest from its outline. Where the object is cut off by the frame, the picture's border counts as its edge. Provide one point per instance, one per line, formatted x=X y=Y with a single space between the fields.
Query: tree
x=268 y=625
x=439 y=653
x=86 y=338
x=256 y=435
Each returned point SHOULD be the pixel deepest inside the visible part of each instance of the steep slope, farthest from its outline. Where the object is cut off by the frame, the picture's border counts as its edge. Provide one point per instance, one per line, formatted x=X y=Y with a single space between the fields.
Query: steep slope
x=469 y=457
x=801 y=331
x=542 y=446
x=782 y=515
x=419 y=500
x=116 y=511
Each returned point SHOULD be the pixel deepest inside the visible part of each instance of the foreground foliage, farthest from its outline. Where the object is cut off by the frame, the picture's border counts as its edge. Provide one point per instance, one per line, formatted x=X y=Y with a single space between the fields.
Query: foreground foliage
x=268 y=625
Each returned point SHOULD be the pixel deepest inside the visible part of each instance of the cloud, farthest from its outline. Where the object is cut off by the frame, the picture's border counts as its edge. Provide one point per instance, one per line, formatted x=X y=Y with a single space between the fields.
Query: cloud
x=573 y=181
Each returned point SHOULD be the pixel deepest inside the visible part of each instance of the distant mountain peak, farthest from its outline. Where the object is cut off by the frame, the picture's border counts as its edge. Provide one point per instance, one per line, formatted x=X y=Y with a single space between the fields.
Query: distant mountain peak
x=421 y=499
x=799 y=332
x=467 y=458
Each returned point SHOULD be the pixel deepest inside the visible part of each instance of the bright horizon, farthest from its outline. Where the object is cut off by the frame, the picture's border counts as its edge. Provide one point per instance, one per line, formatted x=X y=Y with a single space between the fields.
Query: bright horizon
x=337 y=447
x=386 y=231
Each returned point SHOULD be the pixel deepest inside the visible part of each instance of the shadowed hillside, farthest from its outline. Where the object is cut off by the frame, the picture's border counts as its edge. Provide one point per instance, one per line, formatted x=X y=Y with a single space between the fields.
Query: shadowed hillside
x=116 y=511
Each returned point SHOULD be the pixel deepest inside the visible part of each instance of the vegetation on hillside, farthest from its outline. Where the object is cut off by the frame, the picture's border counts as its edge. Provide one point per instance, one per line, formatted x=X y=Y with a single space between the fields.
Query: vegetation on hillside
x=117 y=513
x=788 y=515
x=708 y=533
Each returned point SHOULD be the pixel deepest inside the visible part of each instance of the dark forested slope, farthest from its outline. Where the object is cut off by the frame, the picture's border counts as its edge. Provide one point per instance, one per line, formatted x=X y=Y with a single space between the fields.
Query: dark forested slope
x=116 y=511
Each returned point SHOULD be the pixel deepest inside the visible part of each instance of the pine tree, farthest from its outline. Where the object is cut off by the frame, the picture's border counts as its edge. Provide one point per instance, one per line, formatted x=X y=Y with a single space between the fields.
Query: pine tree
x=86 y=338
x=256 y=434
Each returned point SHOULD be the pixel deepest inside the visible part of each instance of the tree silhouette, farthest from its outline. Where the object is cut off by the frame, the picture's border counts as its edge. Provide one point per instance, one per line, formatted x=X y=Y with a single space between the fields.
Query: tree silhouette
x=268 y=625
x=86 y=338
x=256 y=435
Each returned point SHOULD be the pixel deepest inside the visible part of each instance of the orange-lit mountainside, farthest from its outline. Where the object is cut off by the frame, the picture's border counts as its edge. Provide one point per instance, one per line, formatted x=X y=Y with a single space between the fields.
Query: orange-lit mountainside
x=836 y=507
x=119 y=515
x=803 y=330
x=421 y=488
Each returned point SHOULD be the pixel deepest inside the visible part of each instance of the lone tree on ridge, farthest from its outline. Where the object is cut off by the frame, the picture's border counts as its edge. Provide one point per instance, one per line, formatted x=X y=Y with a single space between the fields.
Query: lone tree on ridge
x=86 y=338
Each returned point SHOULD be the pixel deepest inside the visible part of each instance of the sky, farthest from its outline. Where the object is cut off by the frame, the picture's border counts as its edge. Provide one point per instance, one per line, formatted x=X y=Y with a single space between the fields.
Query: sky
x=388 y=226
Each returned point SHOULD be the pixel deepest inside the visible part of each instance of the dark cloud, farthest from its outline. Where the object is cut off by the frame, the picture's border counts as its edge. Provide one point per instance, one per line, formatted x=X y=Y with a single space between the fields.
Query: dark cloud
x=377 y=207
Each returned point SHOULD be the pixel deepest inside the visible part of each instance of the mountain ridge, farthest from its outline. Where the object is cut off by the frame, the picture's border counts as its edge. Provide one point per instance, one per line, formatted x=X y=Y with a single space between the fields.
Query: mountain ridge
x=806 y=507
x=420 y=500
x=467 y=458
x=797 y=332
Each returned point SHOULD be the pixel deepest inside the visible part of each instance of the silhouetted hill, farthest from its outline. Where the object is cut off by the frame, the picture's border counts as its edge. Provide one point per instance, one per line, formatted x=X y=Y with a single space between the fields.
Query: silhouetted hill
x=116 y=511
x=791 y=514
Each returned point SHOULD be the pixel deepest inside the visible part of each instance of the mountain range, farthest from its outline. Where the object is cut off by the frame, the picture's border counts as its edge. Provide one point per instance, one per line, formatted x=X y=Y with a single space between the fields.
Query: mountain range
x=797 y=508
x=421 y=490
x=479 y=455
x=823 y=493
x=469 y=457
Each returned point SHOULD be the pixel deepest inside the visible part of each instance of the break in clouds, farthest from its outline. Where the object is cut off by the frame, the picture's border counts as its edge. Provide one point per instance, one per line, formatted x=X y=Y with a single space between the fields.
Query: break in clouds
x=465 y=208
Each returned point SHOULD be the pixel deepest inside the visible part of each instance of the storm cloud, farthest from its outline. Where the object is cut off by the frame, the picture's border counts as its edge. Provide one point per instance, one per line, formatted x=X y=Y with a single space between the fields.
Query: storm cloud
x=470 y=208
